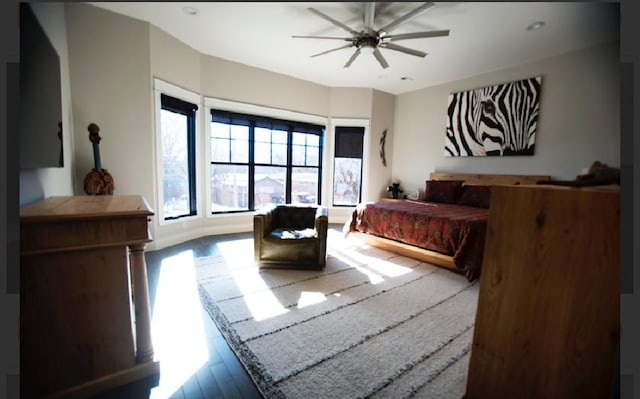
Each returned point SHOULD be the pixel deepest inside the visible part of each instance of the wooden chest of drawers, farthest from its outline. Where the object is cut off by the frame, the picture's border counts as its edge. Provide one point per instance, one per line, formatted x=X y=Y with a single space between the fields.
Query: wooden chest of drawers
x=84 y=304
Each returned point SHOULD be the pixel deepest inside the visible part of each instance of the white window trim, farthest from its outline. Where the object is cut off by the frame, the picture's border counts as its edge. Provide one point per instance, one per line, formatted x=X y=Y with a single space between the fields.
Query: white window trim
x=162 y=87
x=334 y=122
x=252 y=109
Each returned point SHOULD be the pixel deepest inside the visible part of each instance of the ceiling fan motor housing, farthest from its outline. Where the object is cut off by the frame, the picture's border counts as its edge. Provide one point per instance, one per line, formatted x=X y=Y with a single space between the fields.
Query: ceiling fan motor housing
x=366 y=40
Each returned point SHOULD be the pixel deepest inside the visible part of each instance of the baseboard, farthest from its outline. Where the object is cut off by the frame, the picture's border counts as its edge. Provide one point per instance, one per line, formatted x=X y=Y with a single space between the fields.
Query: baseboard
x=223 y=224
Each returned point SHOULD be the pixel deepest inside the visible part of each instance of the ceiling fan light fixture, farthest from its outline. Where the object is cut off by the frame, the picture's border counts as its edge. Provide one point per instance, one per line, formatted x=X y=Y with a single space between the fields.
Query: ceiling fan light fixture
x=367 y=49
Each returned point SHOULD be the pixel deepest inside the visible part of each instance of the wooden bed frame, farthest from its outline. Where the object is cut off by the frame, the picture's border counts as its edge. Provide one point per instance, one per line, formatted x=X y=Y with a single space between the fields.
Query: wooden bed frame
x=437 y=258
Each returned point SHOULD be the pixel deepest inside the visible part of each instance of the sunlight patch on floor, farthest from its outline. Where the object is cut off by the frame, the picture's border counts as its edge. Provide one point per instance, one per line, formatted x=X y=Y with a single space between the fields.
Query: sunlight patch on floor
x=308 y=298
x=177 y=328
x=360 y=257
x=237 y=252
x=389 y=268
x=374 y=278
x=259 y=299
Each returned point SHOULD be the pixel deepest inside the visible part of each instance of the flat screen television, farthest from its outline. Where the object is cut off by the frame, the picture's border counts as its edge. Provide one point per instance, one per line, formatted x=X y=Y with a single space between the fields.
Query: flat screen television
x=40 y=112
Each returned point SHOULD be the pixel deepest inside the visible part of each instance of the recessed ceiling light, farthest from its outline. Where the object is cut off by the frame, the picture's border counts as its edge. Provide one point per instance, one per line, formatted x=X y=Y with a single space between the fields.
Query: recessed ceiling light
x=536 y=25
x=190 y=10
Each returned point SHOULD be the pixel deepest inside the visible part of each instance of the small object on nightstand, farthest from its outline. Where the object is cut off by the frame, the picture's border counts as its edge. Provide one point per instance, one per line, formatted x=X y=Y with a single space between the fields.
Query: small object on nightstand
x=394 y=189
x=413 y=196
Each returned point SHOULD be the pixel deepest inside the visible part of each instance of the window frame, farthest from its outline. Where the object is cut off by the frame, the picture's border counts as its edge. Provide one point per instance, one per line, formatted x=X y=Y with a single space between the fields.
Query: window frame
x=348 y=122
x=193 y=142
x=266 y=112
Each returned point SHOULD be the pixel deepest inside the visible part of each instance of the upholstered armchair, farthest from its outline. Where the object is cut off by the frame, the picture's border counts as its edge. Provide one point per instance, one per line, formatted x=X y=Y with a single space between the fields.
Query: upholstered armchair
x=290 y=236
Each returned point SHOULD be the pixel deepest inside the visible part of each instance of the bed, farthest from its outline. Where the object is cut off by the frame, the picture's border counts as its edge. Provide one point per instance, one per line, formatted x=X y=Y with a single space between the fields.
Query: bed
x=446 y=228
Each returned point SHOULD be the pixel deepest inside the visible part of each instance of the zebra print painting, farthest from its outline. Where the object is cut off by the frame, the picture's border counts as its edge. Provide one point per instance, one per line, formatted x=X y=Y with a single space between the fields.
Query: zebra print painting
x=494 y=120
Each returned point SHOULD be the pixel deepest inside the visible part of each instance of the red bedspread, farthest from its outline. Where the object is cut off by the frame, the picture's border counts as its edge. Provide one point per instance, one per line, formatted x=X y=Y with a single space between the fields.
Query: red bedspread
x=455 y=230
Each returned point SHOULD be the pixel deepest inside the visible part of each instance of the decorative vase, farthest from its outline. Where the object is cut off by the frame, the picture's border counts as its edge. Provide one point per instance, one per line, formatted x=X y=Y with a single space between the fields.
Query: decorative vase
x=98 y=181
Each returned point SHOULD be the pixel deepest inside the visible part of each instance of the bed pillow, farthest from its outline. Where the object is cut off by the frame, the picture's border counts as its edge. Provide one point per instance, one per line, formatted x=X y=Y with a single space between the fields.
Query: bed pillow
x=443 y=191
x=475 y=195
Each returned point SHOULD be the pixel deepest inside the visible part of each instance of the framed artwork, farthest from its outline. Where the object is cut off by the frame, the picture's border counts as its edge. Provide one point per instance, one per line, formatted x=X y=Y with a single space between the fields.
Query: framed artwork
x=495 y=120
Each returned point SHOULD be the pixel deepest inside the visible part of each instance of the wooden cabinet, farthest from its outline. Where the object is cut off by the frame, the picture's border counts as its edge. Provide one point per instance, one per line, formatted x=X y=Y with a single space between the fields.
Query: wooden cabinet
x=84 y=304
x=548 y=323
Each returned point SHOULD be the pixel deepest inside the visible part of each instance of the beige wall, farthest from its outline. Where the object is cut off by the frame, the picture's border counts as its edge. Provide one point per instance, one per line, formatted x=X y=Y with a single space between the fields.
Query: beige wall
x=228 y=80
x=173 y=61
x=109 y=60
x=348 y=102
x=579 y=120
x=382 y=118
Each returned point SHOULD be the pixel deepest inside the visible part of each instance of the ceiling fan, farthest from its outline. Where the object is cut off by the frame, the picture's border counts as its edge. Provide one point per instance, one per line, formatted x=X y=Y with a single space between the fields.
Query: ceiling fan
x=370 y=40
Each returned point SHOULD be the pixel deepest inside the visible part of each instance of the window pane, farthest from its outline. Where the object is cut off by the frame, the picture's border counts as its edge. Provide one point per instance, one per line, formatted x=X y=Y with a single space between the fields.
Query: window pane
x=240 y=151
x=175 y=166
x=298 y=157
x=346 y=184
x=270 y=185
x=304 y=185
x=262 y=135
x=280 y=136
x=239 y=132
x=262 y=152
x=313 y=140
x=299 y=138
x=279 y=154
x=313 y=156
x=220 y=150
x=219 y=130
x=229 y=188
x=239 y=144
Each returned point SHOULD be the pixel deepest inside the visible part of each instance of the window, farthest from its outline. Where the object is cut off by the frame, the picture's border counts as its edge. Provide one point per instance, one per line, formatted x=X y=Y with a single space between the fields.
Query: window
x=347 y=165
x=258 y=161
x=178 y=169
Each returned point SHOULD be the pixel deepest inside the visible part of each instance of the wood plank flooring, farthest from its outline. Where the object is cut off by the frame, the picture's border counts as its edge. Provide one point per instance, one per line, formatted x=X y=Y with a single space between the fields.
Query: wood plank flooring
x=195 y=360
x=220 y=374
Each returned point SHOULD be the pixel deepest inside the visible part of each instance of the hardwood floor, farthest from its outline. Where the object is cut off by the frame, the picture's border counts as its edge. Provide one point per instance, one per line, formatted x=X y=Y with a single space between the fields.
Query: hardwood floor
x=195 y=360
x=193 y=364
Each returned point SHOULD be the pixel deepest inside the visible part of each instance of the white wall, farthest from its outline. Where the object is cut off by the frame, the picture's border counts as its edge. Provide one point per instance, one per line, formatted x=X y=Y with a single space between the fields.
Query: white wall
x=37 y=184
x=382 y=118
x=579 y=120
x=111 y=86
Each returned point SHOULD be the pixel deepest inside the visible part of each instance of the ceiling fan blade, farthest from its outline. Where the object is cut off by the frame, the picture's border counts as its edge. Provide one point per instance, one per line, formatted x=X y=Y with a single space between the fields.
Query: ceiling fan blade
x=380 y=58
x=348 y=39
x=394 y=24
x=333 y=21
x=417 y=35
x=334 y=49
x=353 y=57
x=402 y=49
x=369 y=15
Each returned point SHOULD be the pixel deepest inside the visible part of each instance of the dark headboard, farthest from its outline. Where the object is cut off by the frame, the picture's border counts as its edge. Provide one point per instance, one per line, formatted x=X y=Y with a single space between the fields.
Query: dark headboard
x=488 y=179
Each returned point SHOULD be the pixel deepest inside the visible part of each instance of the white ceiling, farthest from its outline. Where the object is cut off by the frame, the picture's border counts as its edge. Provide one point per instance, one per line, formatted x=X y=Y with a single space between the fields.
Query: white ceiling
x=483 y=37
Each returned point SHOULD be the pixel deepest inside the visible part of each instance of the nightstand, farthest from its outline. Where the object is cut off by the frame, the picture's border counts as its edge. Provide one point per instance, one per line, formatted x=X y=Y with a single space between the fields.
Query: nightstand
x=387 y=199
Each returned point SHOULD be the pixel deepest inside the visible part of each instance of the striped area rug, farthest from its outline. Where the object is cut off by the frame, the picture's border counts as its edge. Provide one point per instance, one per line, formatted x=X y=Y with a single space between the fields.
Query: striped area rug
x=371 y=324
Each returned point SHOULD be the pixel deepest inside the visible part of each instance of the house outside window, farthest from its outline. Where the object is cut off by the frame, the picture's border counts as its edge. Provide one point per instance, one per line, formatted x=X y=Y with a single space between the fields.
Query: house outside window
x=258 y=161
